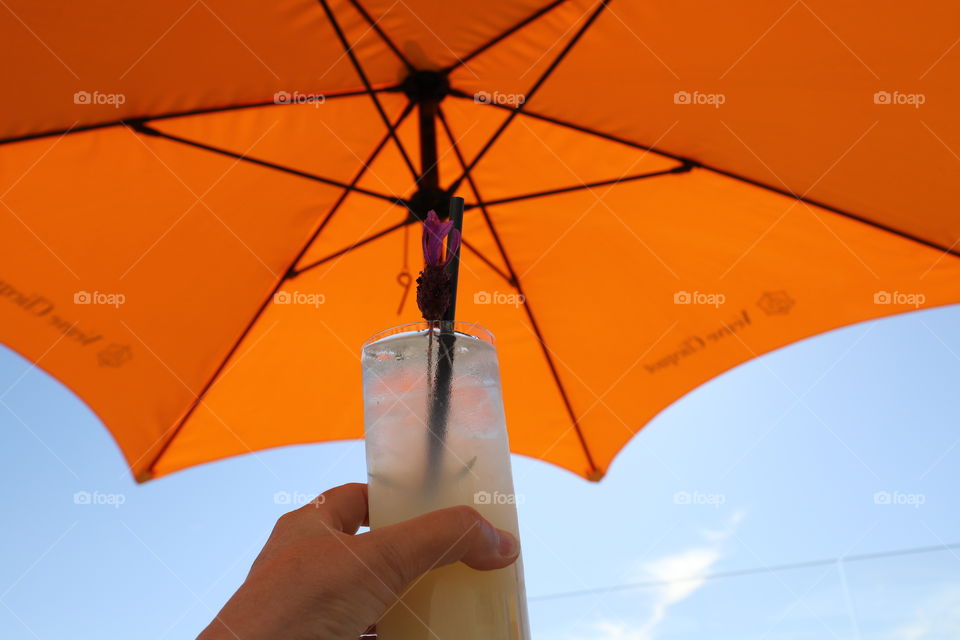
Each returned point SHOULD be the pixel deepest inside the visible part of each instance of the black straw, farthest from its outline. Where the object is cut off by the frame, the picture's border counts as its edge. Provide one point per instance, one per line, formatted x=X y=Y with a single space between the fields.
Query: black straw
x=439 y=409
x=453 y=268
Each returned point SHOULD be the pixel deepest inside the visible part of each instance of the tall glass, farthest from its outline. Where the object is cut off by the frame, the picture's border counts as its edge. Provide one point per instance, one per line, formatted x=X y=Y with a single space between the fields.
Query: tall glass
x=414 y=469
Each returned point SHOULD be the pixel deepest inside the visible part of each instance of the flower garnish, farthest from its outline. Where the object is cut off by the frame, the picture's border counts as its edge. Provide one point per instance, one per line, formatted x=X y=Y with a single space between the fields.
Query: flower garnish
x=433 y=284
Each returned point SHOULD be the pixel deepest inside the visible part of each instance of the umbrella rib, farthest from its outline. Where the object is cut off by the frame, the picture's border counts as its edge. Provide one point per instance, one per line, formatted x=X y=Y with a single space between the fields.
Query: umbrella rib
x=694 y=164
x=145 y=129
x=822 y=205
x=289 y=273
x=503 y=35
x=515 y=281
x=292 y=271
x=375 y=25
x=530 y=93
x=336 y=254
x=486 y=261
x=348 y=49
x=576 y=127
x=682 y=168
x=179 y=114
x=483 y=258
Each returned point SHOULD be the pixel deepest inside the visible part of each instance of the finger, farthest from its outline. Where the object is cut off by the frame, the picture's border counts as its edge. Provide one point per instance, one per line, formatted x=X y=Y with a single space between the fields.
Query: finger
x=405 y=550
x=342 y=508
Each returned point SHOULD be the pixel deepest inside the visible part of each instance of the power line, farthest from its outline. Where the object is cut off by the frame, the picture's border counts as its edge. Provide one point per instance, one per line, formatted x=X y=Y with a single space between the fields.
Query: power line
x=745 y=572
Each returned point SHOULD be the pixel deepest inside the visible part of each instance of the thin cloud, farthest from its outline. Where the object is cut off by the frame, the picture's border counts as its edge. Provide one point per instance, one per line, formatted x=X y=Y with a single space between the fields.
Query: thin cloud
x=682 y=574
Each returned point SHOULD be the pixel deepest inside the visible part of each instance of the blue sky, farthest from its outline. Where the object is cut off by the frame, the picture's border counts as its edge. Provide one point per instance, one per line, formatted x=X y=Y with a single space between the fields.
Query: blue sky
x=837 y=447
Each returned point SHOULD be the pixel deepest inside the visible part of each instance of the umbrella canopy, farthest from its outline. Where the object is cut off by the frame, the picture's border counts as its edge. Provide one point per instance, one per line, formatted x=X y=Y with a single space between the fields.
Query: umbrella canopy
x=207 y=204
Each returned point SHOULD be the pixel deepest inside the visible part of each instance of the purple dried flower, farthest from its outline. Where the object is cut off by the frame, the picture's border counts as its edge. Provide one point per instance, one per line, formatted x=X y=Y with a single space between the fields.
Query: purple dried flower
x=434 y=233
x=433 y=284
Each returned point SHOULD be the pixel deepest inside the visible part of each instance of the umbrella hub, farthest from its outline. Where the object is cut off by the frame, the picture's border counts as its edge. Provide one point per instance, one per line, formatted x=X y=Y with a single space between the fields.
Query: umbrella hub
x=424 y=85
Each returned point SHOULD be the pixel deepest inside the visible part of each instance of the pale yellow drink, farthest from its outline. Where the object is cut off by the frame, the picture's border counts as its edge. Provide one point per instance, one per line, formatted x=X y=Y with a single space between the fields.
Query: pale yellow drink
x=471 y=467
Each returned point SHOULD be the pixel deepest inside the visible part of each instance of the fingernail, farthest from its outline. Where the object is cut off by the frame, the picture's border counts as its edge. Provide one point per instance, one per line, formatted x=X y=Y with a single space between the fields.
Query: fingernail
x=508 y=545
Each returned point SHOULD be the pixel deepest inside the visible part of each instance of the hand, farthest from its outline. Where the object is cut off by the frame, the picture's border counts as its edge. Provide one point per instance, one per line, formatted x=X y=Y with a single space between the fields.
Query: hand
x=316 y=580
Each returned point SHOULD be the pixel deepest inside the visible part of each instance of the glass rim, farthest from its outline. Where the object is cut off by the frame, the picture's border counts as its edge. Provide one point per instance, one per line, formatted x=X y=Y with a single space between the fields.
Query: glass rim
x=469 y=329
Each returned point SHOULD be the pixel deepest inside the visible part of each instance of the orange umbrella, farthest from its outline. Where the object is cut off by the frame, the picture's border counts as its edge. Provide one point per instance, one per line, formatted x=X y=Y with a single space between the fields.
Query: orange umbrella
x=207 y=203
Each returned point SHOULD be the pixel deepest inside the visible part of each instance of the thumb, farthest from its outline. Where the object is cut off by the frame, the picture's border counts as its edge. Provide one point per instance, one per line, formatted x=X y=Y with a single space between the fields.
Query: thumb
x=402 y=552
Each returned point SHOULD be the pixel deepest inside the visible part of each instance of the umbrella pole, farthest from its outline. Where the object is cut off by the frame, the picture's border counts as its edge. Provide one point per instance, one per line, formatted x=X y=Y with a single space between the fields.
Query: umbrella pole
x=427 y=107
